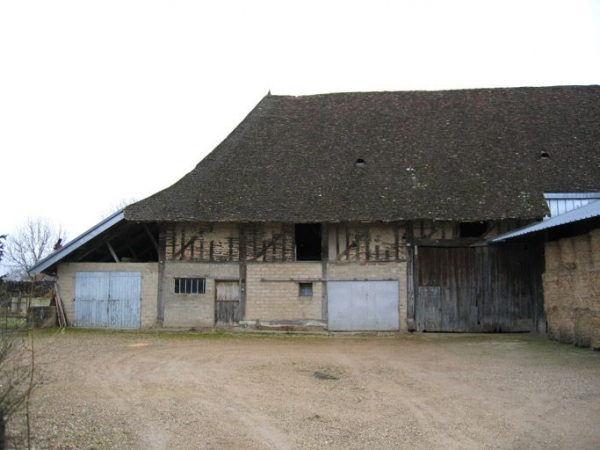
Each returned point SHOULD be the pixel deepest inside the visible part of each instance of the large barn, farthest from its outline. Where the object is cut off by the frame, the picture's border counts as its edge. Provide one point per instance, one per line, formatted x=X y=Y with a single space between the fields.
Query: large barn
x=352 y=212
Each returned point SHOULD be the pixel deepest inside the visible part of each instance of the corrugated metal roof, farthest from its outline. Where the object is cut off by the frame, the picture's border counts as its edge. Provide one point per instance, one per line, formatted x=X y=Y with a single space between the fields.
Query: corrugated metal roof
x=73 y=245
x=588 y=211
x=560 y=203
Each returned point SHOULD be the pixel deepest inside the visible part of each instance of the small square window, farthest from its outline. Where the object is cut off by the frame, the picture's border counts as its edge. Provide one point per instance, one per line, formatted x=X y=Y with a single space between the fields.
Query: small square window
x=305 y=289
x=190 y=285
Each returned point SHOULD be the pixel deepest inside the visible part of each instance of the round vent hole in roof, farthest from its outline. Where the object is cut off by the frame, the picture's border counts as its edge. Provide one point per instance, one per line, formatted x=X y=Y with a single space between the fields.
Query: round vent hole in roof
x=544 y=155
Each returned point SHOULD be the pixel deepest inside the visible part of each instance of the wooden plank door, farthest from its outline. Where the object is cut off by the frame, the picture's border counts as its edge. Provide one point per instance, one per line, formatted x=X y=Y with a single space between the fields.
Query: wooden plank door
x=491 y=289
x=227 y=304
x=124 y=300
x=447 y=297
x=91 y=299
x=107 y=299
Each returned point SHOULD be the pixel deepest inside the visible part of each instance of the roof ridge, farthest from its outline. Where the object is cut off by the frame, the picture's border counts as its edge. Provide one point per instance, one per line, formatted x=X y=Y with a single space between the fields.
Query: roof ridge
x=431 y=91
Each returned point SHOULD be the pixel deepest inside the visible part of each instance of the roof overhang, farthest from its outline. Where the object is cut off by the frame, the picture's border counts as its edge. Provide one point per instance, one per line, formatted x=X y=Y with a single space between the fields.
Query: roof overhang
x=76 y=243
x=589 y=211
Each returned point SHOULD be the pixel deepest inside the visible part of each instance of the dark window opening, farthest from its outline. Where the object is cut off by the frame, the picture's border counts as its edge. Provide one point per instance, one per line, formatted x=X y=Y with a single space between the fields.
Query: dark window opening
x=305 y=289
x=472 y=229
x=190 y=285
x=308 y=242
x=360 y=162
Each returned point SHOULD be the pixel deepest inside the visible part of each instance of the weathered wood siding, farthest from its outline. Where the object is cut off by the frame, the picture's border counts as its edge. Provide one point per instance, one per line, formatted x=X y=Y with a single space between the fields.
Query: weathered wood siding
x=431 y=229
x=366 y=242
x=275 y=242
x=270 y=242
x=203 y=242
x=474 y=289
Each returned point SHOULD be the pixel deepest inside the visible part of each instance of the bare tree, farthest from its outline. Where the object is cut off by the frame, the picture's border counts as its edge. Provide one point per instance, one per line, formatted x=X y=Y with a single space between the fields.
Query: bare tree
x=118 y=206
x=2 y=242
x=31 y=242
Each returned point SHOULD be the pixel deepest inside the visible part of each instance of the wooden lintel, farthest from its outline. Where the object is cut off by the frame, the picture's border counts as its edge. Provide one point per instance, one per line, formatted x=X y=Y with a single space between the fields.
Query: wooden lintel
x=321 y=280
x=461 y=242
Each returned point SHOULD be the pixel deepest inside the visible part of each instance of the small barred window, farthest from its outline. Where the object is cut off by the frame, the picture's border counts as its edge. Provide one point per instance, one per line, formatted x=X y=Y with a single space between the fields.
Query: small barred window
x=190 y=285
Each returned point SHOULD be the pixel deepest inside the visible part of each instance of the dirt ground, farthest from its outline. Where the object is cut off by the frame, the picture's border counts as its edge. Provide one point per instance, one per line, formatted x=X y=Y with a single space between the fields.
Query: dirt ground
x=153 y=391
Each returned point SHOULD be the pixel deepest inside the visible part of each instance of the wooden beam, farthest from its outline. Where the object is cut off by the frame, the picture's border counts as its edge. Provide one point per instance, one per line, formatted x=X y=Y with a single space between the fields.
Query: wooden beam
x=112 y=251
x=461 y=242
x=243 y=270
x=154 y=243
x=101 y=243
x=162 y=255
x=410 y=285
x=324 y=266
x=266 y=246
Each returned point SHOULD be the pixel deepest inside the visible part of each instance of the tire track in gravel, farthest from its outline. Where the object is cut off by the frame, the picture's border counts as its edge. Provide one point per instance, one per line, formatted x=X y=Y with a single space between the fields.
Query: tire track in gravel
x=363 y=369
x=127 y=388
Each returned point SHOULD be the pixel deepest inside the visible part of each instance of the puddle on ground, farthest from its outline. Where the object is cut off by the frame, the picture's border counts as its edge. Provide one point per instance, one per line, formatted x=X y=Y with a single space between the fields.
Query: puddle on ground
x=324 y=376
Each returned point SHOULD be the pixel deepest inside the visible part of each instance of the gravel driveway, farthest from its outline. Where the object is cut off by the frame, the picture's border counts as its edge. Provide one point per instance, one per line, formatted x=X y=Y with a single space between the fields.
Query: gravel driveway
x=154 y=391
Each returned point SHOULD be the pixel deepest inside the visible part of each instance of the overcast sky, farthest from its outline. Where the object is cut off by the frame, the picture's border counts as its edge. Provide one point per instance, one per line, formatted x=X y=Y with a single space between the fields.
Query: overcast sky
x=106 y=100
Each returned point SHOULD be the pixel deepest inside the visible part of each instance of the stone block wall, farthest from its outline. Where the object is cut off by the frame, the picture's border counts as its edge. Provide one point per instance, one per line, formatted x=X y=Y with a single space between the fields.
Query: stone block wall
x=572 y=289
x=281 y=300
x=194 y=310
x=149 y=273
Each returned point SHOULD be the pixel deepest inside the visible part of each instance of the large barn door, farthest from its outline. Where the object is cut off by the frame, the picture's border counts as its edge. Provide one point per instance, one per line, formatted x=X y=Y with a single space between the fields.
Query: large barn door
x=107 y=299
x=227 y=304
x=447 y=289
x=478 y=289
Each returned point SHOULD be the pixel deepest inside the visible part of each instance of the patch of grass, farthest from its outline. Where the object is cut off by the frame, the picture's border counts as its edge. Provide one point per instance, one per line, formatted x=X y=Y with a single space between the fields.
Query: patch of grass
x=13 y=323
x=207 y=334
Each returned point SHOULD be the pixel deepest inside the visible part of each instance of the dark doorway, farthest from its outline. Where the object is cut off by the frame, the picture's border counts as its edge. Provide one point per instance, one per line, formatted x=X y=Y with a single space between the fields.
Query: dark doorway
x=308 y=242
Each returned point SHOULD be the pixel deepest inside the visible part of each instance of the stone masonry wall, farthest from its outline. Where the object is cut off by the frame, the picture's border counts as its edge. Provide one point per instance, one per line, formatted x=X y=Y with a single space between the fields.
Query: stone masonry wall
x=149 y=272
x=194 y=310
x=572 y=289
x=277 y=300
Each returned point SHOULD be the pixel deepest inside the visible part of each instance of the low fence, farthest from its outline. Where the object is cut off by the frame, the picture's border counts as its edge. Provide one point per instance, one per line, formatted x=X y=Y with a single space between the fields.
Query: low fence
x=26 y=303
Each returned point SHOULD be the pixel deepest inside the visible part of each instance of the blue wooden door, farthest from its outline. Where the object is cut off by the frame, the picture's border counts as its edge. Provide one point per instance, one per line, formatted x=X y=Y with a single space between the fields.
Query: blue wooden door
x=107 y=299
x=124 y=300
x=91 y=299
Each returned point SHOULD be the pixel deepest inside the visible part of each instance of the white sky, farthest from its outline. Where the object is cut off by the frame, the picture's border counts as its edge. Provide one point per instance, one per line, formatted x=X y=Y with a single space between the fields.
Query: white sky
x=106 y=100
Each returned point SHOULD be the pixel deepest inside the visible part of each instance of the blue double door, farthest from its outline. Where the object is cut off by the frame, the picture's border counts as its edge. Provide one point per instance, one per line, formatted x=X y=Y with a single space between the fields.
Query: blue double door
x=107 y=299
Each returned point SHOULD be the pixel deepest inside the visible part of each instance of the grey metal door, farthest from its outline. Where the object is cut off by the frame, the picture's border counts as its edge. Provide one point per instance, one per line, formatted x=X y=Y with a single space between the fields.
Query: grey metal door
x=107 y=299
x=363 y=305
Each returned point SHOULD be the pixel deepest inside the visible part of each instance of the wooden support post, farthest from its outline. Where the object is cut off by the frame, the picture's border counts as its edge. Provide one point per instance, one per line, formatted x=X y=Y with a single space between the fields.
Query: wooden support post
x=243 y=272
x=324 y=261
x=410 y=285
x=162 y=254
